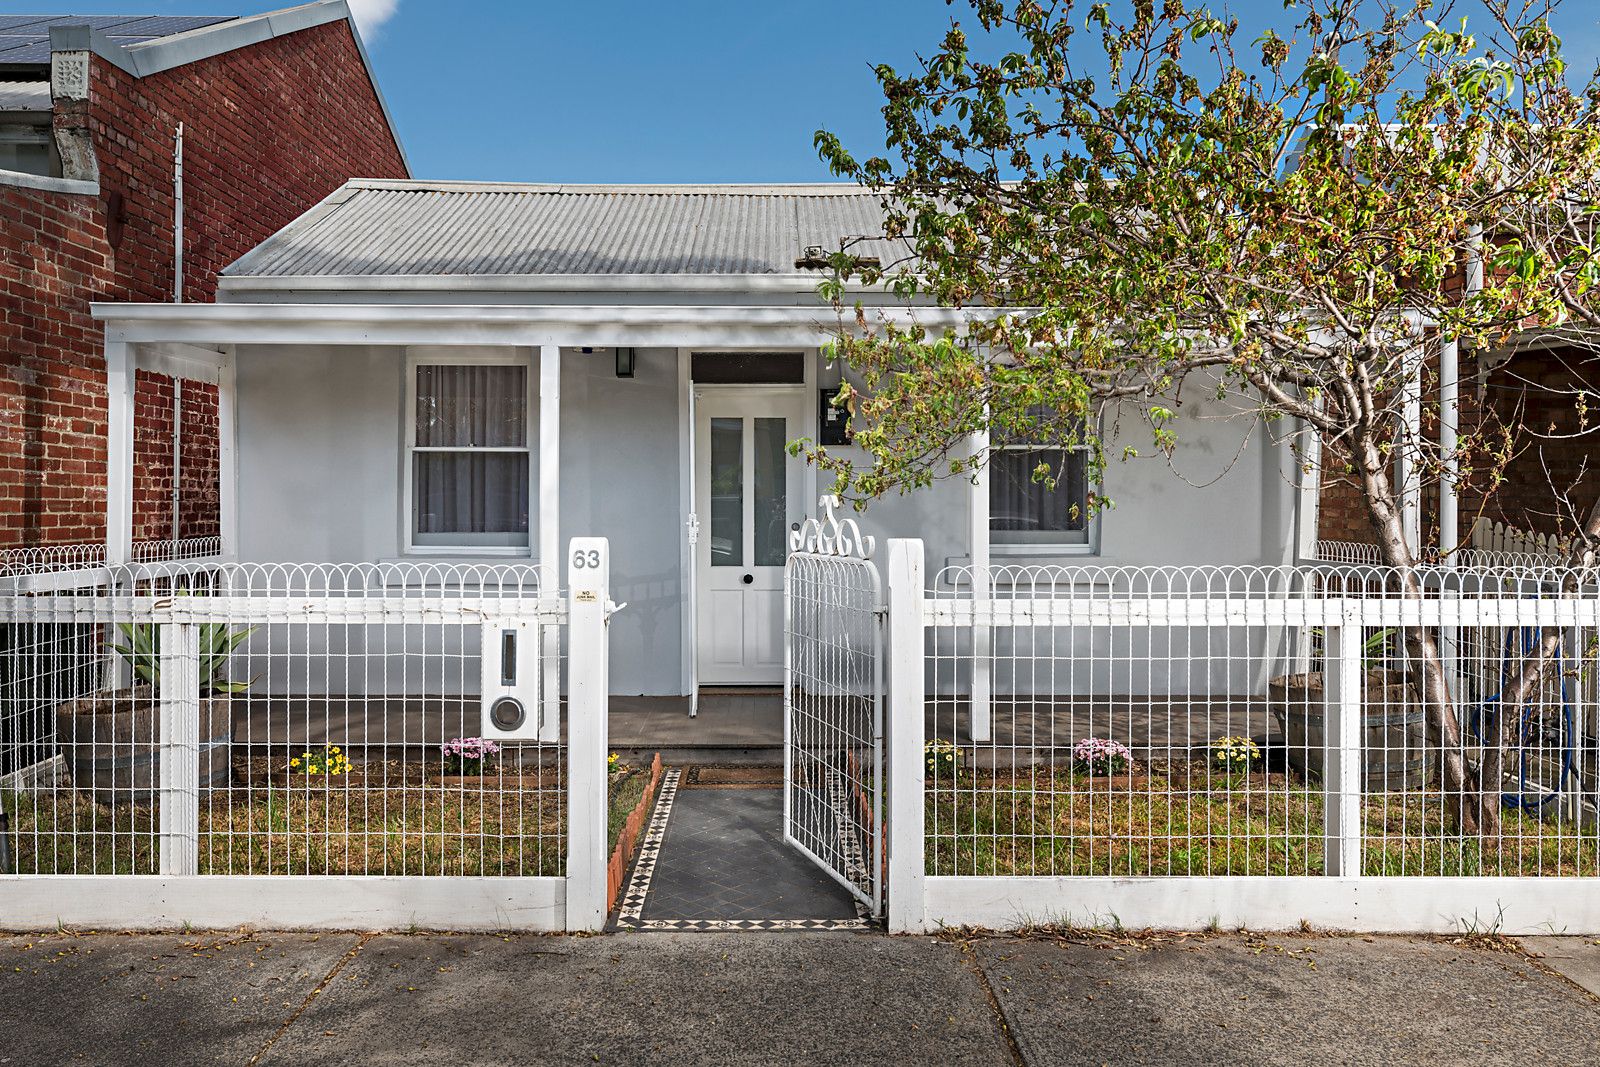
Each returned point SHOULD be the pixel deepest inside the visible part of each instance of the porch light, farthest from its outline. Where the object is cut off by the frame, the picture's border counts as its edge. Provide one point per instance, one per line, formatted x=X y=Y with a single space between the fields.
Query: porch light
x=624 y=362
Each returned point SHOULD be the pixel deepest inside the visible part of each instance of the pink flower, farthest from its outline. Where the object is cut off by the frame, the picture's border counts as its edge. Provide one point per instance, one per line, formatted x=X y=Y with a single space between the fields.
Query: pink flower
x=469 y=748
x=1101 y=755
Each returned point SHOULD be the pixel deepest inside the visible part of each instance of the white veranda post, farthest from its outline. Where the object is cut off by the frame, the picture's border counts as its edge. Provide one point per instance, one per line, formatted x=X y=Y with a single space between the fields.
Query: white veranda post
x=119 y=451
x=208 y=365
x=547 y=491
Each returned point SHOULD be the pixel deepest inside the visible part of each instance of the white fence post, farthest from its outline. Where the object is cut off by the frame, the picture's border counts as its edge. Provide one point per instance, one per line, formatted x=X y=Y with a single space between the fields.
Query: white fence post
x=1344 y=686
x=907 y=729
x=180 y=748
x=588 y=583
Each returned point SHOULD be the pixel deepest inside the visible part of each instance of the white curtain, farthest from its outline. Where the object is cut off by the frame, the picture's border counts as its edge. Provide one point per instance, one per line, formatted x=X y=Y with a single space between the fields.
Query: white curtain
x=479 y=496
x=1027 y=510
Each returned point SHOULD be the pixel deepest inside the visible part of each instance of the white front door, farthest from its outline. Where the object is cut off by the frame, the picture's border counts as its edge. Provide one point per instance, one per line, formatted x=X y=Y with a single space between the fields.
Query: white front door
x=749 y=494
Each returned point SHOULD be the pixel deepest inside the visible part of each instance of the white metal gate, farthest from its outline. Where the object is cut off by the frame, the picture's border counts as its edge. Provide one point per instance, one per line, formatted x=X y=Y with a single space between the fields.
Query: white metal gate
x=833 y=704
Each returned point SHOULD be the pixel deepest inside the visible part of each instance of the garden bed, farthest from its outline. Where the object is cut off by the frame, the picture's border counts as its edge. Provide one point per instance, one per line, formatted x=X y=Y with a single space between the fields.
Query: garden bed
x=380 y=818
x=1185 y=819
x=632 y=790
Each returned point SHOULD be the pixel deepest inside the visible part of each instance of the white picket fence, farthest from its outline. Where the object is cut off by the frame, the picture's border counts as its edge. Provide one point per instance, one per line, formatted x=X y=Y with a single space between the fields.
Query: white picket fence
x=1494 y=544
x=1490 y=545
x=286 y=770
x=1335 y=814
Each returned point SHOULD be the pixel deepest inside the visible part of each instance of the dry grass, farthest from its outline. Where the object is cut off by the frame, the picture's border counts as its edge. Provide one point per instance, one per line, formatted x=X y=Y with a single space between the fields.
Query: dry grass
x=627 y=789
x=1182 y=823
x=392 y=819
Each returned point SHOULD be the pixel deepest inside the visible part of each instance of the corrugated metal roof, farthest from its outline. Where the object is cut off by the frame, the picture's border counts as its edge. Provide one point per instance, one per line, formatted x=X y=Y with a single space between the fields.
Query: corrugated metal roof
x=392 y=228
x=24 y=96
x=26 y=38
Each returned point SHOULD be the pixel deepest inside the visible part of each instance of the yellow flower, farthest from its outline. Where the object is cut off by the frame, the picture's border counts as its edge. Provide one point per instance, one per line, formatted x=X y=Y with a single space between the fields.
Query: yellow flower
x=295 y=762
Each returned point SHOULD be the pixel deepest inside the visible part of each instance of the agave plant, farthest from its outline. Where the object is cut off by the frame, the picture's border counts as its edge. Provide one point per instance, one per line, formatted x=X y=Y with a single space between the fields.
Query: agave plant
x=142 y=651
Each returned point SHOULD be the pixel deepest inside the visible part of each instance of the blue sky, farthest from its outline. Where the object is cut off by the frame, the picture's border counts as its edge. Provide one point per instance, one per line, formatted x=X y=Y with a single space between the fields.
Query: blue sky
x=628 y=91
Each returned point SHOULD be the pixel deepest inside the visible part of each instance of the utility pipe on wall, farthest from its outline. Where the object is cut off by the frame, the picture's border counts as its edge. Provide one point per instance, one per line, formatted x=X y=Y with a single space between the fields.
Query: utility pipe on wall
x=177 y=217
x=177 y=454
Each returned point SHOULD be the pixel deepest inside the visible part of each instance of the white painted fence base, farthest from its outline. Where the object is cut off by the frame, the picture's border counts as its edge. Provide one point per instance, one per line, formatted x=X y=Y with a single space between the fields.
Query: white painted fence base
x=313 y=902
x=1511 y=906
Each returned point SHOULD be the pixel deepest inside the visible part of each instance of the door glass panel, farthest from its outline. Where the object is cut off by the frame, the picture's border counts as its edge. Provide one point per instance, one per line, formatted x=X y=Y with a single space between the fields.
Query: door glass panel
x=727 y=492
x=772 y=493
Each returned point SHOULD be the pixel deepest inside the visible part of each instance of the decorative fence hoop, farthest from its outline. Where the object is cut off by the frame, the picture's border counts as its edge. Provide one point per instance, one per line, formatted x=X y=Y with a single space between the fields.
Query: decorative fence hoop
x=831 y=535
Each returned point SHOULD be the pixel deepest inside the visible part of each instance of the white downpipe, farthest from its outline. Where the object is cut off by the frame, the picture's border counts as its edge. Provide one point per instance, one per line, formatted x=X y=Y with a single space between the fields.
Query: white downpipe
x=177 y=217
x=1450 y=466
x=177 y=454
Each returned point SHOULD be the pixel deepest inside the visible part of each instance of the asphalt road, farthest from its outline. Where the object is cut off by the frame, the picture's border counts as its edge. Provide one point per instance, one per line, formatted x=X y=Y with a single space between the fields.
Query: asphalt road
x=793 y=998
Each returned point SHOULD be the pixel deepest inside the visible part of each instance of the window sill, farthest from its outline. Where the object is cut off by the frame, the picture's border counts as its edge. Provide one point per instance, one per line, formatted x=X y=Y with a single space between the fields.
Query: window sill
x=1047 y=551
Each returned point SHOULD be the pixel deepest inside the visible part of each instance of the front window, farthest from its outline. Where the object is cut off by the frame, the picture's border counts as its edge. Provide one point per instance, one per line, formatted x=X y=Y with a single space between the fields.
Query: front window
x=1026 y=511
x=469 y=456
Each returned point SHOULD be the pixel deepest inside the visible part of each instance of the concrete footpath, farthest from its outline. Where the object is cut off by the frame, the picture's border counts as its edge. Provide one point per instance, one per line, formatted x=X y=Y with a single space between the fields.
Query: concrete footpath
x=793 y=998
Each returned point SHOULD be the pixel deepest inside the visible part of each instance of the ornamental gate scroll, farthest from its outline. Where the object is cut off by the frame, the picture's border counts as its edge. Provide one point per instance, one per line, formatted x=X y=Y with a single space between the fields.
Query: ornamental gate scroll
x=833 y=703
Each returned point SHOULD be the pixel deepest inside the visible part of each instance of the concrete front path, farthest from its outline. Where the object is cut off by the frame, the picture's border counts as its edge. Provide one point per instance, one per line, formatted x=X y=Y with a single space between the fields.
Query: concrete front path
x=786 y=999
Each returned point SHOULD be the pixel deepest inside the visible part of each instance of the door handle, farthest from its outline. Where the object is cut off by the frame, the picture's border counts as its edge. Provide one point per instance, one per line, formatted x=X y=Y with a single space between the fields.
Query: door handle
x=748 y=579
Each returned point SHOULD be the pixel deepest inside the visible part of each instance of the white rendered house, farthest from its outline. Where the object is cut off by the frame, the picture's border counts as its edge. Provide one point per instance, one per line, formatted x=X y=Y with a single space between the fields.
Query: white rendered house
x=463 y=371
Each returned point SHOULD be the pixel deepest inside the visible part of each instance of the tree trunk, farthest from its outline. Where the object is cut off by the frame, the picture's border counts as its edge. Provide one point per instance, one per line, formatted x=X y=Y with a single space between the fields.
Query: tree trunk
x=1471 y=811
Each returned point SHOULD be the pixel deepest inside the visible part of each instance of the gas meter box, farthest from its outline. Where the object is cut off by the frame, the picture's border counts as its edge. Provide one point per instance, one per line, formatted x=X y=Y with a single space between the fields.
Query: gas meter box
x=510 y=661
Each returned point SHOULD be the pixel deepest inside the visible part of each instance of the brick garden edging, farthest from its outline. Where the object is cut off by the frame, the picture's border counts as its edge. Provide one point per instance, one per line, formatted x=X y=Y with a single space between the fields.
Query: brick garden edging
x=628 y=840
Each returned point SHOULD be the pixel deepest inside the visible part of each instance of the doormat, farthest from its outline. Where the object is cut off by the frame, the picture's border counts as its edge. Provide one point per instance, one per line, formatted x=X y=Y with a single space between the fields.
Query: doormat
x=733 y=777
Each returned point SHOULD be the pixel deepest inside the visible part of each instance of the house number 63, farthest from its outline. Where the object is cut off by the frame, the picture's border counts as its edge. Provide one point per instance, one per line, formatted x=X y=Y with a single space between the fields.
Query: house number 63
x=586 y=559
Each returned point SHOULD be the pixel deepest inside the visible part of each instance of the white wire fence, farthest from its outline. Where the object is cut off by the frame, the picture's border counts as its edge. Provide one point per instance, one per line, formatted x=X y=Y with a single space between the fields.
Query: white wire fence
x=235 y=719
x=1224 y=721
x=51 y=559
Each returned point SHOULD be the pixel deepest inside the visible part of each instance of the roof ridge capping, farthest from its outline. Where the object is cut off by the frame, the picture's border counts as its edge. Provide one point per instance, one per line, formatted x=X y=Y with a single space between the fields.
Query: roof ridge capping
x=415 y=185
x=158 y=54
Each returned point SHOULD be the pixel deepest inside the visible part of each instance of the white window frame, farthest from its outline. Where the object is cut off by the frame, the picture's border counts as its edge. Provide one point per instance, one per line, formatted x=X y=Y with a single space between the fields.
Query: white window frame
x=1089 y=546
x=428 y=357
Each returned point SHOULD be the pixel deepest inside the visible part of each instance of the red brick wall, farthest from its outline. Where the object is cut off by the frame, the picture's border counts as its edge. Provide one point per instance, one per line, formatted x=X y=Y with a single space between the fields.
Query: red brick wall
x=199 y=482
x=52 y=392
x=268 y=131
x=1537 y=389
x=1533 y=394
